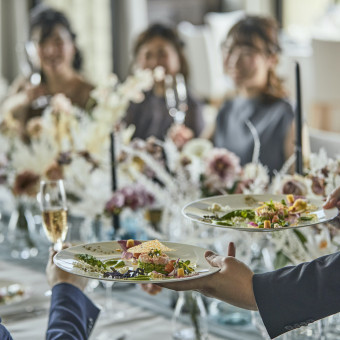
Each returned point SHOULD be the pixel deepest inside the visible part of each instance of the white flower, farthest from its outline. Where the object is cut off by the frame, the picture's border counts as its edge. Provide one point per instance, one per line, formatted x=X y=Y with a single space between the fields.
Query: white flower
x=318 y=161
x=159 y=73
x=257 y=176
x=197 y=147
x=256 y=171
x=101 y=92
x=319 y=244
x=60 y=103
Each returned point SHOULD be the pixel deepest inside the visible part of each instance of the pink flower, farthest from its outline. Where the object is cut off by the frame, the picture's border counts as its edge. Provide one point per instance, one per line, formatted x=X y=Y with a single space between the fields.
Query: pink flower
x=318 y=186
x=223 y=168
x=26 y=183
x=133 y=197
x=294 y=187
x=115 y=204
x=242 y=185
x=54 y=171
x=180 y=135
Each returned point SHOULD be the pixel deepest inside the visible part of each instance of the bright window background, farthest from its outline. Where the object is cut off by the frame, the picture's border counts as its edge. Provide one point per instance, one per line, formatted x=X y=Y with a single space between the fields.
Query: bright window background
x=91 y=20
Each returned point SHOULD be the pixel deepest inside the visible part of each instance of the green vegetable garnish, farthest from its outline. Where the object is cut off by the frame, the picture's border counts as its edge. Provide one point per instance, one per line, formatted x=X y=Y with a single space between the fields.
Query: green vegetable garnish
x=185 y=266
x=149 y=267
x=111 y=263
x=245 y=213
x=270 y=204
x=306 y=218
x=120 y=264
x=155 y=252
x=92 y=261
x=140 y=278
x=226 y=223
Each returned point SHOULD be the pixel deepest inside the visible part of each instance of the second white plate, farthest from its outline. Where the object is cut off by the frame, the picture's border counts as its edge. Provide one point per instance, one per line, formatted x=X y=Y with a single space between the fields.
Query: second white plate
x=198 y=209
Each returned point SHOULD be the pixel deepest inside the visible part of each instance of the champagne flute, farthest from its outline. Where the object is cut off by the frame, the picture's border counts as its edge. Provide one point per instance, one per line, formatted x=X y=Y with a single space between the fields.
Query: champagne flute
x=53 y=206
x=36 y=75
x=176 y=97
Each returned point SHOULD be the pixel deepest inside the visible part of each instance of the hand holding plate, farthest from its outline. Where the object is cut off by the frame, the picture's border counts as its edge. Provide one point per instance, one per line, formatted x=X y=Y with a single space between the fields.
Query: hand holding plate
x=55 y=275
x=232 y=284
x=333 y=199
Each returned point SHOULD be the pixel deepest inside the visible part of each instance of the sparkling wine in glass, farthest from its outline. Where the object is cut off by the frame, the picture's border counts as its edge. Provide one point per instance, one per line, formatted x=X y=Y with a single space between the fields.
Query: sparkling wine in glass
x=53 y=205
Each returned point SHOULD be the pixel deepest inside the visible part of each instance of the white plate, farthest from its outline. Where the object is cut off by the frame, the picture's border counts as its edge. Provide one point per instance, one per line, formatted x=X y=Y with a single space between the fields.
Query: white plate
x=67 y=259
x=197 y=209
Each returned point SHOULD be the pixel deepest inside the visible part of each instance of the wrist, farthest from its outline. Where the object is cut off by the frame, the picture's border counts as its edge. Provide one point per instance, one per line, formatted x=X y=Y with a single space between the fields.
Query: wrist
x=251 y=299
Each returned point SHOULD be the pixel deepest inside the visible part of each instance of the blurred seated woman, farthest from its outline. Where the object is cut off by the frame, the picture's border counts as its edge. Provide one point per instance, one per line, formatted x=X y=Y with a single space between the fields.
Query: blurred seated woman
x=60 y=63
x=260 y=110
x=161 y=46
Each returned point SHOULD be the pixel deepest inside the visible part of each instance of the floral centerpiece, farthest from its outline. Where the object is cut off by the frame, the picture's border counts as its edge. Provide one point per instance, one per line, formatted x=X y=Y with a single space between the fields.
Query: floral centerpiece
x=183 y=169
x=178 y=173
x=68 y=143
x=322 y=175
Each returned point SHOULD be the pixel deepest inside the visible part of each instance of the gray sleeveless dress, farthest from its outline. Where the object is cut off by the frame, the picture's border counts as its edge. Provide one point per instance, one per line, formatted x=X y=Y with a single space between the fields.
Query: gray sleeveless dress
x=271 y=119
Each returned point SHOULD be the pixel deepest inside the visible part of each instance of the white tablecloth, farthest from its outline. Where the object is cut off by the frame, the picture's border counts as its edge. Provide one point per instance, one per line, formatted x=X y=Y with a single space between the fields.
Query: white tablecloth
x=138 y=323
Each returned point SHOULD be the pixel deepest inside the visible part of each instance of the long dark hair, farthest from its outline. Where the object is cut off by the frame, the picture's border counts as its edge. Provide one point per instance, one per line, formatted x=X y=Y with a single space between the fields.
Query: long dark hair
x=46 y=19
x=254 y=28
x=166 y=33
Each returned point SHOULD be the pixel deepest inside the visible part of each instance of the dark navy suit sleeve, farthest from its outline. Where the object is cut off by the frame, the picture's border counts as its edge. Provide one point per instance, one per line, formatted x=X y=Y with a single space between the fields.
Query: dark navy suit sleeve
x=72 y=314
x=4 y=333
x=292 y=297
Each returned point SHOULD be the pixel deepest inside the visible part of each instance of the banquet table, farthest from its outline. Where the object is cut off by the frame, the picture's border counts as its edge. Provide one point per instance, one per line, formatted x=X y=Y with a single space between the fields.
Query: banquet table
x=145 y=316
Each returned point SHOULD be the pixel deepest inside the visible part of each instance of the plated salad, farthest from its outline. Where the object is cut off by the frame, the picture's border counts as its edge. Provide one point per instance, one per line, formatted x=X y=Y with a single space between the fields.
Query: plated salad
x=139 y=261
x=271 y=214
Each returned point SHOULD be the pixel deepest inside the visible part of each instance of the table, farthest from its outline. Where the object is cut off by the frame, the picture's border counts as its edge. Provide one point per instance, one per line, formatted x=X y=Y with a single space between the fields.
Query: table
x=146 y=317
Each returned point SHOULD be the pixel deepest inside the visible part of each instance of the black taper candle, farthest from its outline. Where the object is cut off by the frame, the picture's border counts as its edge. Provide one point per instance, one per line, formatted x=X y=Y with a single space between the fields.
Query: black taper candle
x=115 y=217
x=298 y=122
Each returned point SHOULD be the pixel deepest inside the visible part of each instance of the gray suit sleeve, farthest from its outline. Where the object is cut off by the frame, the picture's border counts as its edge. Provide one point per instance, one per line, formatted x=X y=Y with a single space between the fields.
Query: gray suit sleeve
x=295 y=296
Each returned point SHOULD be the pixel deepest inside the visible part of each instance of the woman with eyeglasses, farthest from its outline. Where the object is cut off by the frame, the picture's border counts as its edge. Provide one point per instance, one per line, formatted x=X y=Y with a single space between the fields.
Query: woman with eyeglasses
x=260 y=112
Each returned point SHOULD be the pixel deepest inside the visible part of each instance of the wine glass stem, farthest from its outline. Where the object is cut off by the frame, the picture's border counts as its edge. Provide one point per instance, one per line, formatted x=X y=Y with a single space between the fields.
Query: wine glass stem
x=108 y=296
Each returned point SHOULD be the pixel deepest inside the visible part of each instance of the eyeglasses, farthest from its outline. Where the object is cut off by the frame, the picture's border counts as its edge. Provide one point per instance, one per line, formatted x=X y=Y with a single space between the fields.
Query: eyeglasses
x=240 y=50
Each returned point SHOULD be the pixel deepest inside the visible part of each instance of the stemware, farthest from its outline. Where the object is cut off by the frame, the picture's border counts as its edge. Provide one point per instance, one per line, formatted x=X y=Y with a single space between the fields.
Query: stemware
x=176 y=97
x=109 y=309
x=52 y=199
x=35 y=73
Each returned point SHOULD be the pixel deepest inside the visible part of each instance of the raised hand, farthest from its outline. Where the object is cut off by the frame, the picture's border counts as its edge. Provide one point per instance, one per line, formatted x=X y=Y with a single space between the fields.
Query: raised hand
x=333 y=199
x=55 y=275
